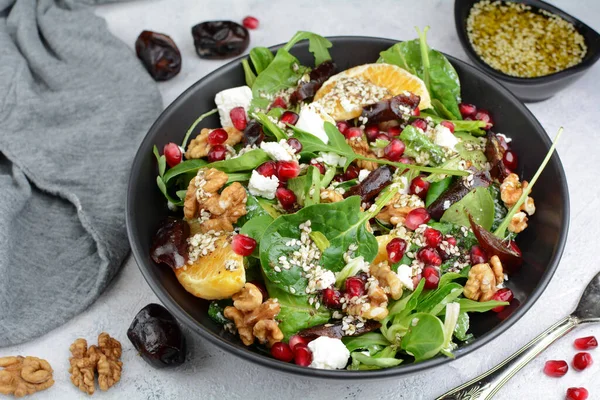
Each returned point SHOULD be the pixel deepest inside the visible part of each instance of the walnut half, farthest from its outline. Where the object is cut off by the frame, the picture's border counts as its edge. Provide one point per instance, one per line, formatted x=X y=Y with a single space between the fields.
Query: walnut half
x=22 y=376
x=484 y=280
x=199 y=146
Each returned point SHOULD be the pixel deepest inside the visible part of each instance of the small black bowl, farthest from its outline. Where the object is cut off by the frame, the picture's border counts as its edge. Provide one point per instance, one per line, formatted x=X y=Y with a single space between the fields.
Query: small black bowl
x=532 y=89
x=542 y=243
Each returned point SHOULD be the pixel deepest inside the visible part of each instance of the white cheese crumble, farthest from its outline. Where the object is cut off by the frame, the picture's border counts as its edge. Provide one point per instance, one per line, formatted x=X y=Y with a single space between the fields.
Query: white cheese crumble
x=405 y=276
x=503 y=136
x=332 y=159
x=327 y=279
x=228 y=99
x=312 y=119
x=443 y=137
x=328 y=353
x=263 y=186
x=362 y=174
x=277 y=151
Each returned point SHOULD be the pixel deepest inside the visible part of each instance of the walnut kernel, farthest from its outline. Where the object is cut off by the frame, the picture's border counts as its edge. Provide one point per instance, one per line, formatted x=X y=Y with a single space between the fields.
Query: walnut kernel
x=22 y=376
x=199 y=146
x=362 y=148
x=481 y=284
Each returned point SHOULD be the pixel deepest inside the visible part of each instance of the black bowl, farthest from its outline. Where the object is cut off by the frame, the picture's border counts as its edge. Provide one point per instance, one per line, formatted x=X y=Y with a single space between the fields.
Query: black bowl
x=542 y=243
x=532 y=89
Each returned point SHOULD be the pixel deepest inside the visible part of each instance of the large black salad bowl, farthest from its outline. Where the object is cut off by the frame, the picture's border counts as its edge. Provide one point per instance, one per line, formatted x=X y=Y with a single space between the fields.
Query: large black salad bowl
x=542 y=243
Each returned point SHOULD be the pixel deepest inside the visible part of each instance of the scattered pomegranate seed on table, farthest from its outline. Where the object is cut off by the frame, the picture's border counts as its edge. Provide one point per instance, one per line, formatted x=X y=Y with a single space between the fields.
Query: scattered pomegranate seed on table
x=302 y=355
x=217 y=153
x=267 y=169
x=582 y=360
x=396 y=249
x=286 y=198
x=504 y=294
x=282 y=351
x=432 y=278
x=577 y=393
x=331 y=298
x=238 y=118
x=250 y=22
x=355 y=286
x=586 y=343
x=173 y=154
x=448 y=125
x=419 y=187
x=556 y=368
x=295 y=144
x=243 y=245
x=217 y=136
x=416 y=217
x=289 y=117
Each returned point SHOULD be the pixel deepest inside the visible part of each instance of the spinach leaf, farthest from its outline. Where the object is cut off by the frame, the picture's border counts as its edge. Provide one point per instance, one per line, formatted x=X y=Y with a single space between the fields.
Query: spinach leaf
x=462 y=326
x=161 y=160
x=246 y=162
x=307 y=188
x=473 y=127
x=425 y=336
x=255 y=228
x=238 y=177
x=437 y=300
x=318 y=45
x=336 y=143
x=185 y=167
x=478 y=203
x=261 y=58
x=296 y=313
x=418 y=144
x=468 y=305
x=269 y=127
x=499 y=207
x=249 y=75
x=436 y=189
x=195 y=124
x=269 y=207
x=253 y=209
x=365 y=341
x=215 y=312
x=342 y=224
x=406 y=55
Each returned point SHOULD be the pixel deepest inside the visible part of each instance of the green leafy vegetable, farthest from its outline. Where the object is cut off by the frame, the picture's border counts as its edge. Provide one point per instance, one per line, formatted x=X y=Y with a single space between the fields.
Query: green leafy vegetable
x=336 y=144
x=365 y=341
x=195 y=124
x=355 y=266
x=462 y=326
x=417 y=145
x=185 y=167
x=383 y=359
x=425 y=336
x=253 y=209
x=478 y=202
x=269 y=206
x=246 y=162
x=450 y=321
x=215 y=312
x=436 y=189
x=320 y=240
x=468 y=305
x=261 y=58
x=473 y=127
x=500 y=210
x=249 y=75
x=318 y=45
x=269 y=127
x=436 y=300
x=161 y=160
x=307 y=188
x=255 y=228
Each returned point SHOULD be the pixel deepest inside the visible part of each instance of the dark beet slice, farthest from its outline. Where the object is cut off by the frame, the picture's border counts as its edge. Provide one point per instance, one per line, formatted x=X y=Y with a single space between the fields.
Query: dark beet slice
x=494 y=152
x=391 y=109
x=494 y=246
x=373 y=184
x=335 y=330
x=156 y=335
x=253 y=134
x=169 y=245
x=307 y=90
x=220 y=39
x=455 y=192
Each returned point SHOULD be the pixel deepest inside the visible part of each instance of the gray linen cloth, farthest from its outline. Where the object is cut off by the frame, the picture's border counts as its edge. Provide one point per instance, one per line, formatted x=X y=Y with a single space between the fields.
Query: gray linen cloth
x=74 y=104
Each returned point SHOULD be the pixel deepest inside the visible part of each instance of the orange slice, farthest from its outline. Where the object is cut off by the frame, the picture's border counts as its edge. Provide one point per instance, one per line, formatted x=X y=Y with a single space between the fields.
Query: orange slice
x=344 y=95
x=382 y=241
x=217 y=275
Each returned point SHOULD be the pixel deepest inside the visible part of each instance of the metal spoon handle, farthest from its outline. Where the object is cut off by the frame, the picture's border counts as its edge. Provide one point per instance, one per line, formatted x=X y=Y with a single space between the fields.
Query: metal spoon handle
x=485 y=386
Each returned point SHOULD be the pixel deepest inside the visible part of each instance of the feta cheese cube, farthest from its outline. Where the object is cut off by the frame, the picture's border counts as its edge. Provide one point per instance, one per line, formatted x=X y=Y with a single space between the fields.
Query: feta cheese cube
x=278 y=151
x=263 y=186
x=312 y=118
x=443 y=137
x=228 y=99
x=328 y=353
x=405 y=275
x=332 y=159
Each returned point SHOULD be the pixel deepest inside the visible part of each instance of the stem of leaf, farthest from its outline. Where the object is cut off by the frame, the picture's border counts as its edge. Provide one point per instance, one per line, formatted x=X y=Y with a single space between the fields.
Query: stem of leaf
x=431 y=170
x=501 y=231
x=195 y=124
x=424 y=55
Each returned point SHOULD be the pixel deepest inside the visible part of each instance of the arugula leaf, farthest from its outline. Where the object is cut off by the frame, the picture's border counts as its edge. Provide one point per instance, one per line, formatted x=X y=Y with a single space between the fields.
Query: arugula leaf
x=336 y=143
x=365 y=341
x=195 y=124
x=318 y=45
x=478 y=203
x=270 y=127
x=341 y=223
x=296 y=313
x=249 y=75
x=425 y=336
x=436 y=189
x=163 y=189
x=417 y=143
x=261 y=58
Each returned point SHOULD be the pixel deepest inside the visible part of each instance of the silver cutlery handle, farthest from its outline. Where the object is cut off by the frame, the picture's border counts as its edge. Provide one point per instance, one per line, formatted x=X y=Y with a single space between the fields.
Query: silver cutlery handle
x=485 y=386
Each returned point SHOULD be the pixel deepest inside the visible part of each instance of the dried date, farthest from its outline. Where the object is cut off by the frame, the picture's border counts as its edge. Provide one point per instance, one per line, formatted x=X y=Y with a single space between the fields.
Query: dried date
x=159 y=54
x=220 y=39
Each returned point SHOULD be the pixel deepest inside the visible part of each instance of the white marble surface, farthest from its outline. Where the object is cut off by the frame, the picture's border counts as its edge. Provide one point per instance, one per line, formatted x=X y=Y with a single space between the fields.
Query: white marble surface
x=210 y=373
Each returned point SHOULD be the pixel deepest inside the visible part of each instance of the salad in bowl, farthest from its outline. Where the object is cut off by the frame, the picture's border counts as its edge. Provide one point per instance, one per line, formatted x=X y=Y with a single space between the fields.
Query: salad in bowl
x=345 y=219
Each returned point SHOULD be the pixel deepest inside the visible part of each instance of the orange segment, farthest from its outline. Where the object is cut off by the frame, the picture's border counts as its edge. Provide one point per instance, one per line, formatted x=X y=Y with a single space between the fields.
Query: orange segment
x=344 y=95
x=208 y=277
x=382 y=241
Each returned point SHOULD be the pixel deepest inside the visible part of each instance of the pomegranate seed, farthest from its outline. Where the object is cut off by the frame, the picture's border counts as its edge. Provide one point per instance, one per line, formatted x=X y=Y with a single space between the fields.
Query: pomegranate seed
x=394 y=150
x=267 y=169
x=353 y=132
x=351 y=172
x=556 y=368
x=416 y=279
x=287 y=170
x=355 y=286
x=432 y=277
x=282 y=352
x=577 y=393
x=406 y=160
x=320 y=166
x=243 y=245
x=395 y=250
x=467 y=110
x=262 y=288
x=278 y=102
x=342 y=126
x=429 y=256
x=238 y=118
x=448 y=125
x=416 y=112
x=295 y=144
x=582 y=360
x=296 y=339
x=477 y=255
x=382 y=136
x=504 y=294
x=372 y=131
x=586 y=343
x=502 y=142
x=416 y=217
x=289 y=117
x=484 y=115
x=217 y=136
x=394 y=131
x=173 y=154
x=451 y=240
x=510 y=160
x=331 y=298
x=286 y=197
x=250 y=22
x=217 y=153
x=302 y=355
x=433 y=237
x=420 y=124
x=419 y=187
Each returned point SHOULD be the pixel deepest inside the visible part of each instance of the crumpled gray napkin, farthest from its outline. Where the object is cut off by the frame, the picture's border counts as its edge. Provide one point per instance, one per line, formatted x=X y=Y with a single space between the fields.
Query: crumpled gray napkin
x=74 y=104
